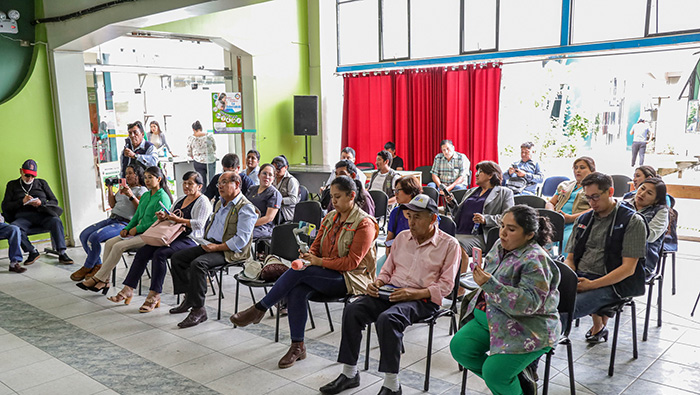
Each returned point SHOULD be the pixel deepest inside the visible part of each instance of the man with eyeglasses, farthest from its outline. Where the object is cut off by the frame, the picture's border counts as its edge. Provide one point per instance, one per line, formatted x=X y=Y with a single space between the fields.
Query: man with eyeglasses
x=29 y=202
x=137 y=151
x=606 y=249
x=227 y=239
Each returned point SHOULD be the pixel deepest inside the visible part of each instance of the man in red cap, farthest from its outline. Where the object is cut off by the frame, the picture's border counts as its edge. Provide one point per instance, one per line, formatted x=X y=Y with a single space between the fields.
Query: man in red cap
x=29 y=202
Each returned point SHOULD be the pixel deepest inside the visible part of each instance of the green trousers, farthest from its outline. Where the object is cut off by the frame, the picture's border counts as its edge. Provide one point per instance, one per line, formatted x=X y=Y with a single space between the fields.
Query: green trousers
x=499 y=371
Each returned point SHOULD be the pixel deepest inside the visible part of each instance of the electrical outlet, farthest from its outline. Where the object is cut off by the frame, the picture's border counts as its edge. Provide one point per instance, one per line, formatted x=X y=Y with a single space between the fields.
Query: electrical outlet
x=24 y=43
x=8 y=27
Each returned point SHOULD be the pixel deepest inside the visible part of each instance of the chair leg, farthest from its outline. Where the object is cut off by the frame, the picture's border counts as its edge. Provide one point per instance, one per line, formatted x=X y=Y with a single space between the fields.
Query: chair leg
x=463 y=391
x=692 y=313
x=277 y=323
x=648 y=312
x=570 y=360
x=311 y=316
x=369 y=335
x=140 y=287
x=114 y=276
x=659 y=302
x=426 y=385
x=330 y=321
x=548 y=363
x=272 y=314
x=634 y=330
x=673 y=273
x=235 y=303
x=611 y=368
x=221 y=294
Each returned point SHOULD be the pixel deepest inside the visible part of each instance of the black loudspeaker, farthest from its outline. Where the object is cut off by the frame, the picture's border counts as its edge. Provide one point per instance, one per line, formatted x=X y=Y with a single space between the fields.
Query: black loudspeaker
x=305 y=115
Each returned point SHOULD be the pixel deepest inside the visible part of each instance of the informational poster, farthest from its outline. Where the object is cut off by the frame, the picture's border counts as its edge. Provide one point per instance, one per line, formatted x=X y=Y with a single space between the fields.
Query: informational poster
x=108 y=170
x=228 y=112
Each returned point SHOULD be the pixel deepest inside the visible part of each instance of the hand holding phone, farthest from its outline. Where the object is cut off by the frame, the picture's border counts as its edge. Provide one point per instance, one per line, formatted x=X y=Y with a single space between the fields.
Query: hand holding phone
x=476 y=258
x=122 y=182
x=164 y=208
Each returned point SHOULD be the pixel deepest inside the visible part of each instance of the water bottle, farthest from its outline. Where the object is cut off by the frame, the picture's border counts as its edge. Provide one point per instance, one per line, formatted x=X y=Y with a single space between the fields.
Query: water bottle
x=475 y=229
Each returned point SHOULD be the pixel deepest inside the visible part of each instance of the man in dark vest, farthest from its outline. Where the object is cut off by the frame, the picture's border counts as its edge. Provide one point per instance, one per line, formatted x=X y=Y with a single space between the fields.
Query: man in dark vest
x=606 y=249
x=384 y=179
x=137 y=151
x=227 y=239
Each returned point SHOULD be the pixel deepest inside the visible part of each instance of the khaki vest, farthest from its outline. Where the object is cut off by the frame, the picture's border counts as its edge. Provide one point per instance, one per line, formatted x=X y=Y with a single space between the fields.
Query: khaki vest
x=356 y=280
x=565 y=189
x=230 y=230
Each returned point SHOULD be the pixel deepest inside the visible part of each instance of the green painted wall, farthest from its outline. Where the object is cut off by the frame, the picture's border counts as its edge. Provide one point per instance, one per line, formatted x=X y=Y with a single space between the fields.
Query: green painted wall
x=15 y=60
x=276 y=34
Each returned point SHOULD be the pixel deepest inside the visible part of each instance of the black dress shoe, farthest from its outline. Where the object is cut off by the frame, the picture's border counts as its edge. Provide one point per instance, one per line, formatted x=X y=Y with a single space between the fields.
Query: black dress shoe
x=196 y=316
x=33 y=256
x=387 y=391
x=341 y=384
x=601 y=336
x=18 y=269
x=64 y=259
x=184 y=307
x=528 y=381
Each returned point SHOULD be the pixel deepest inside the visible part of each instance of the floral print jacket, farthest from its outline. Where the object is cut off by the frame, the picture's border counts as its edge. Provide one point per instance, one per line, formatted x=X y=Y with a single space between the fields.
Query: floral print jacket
x=521 y=299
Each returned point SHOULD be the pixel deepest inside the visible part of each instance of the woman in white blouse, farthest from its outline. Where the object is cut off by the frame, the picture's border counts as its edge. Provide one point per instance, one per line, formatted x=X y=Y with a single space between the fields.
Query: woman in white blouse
x=193 y=209
x=202 y=148
x=157 y=138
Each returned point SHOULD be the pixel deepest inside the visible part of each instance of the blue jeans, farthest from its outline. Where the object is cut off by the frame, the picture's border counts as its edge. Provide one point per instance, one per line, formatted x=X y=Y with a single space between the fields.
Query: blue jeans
x=158 y=257
x=590 y=302
x=13 y=235
x=95 y=234
x=27 y=220
x=297 y=286
x=456 y=188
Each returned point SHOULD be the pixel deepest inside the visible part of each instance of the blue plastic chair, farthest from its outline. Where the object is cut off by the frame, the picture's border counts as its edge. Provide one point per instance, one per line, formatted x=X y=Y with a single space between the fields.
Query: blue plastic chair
x=549 y=187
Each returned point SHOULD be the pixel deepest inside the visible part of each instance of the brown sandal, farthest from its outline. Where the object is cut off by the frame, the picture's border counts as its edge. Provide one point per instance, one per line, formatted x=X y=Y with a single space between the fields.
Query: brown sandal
x=152 y=302
x=121 y=296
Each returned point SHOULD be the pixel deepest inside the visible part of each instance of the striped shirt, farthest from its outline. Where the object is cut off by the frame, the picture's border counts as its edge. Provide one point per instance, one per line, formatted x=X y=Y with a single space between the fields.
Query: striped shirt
x=449 y=170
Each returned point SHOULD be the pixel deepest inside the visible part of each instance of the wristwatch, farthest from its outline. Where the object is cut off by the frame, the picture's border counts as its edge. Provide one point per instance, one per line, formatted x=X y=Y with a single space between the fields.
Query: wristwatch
x=131 y=198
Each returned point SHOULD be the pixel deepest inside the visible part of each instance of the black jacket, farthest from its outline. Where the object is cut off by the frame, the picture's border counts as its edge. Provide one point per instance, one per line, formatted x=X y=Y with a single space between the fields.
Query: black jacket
x=14 y=194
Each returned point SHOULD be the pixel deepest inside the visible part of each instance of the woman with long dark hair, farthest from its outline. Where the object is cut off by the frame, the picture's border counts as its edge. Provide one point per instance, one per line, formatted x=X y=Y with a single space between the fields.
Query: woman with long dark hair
x=157 y=197
x=157 y=137
x=267 y=200
x=341 y=261
x=513 y=315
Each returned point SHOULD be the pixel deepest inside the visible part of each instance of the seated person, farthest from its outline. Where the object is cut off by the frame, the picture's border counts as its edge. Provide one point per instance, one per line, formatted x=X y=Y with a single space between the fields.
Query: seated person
x=29 y=202
x=341 y=261
x=157 y=197
x=650 y=201
x=252 y=163
x=267 y=200
x=420 y=272
x=640 y=174
x=522 y=177
x=481 y=207
x=137 y=151
x=288 y=186
x=396 y=162
x=227 y=239
x=384 y=179
x=513 y=315
x=229 y=162
x=13 y=235
x=605 y=250
x=450 y=168
x=124 y=205
x=349 y=154
x=192 y=210
x=347 y=168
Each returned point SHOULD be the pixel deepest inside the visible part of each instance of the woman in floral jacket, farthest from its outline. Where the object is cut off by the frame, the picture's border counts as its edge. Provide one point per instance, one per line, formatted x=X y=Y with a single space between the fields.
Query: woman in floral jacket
x=514 y=315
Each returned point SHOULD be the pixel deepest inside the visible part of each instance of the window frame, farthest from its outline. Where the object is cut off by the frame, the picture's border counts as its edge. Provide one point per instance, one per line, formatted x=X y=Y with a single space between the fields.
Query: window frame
x=381 y=32
x=461 y=30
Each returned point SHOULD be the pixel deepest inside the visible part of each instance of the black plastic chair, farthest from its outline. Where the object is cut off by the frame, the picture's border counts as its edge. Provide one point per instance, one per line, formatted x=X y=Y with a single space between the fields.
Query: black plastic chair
x=558 y=224
x=432 y=193
x=381 y=204
x=447 y=225
x=303 y=193
x=459 y=195
x=621 y=184
x=615 y=310
x=671 y=245
x=426 y=176
x=567 y=304
x=657 y=276
x=530 y=200
x=365 y=166
x=490 y=238
x=309 y=211
x=549 y=187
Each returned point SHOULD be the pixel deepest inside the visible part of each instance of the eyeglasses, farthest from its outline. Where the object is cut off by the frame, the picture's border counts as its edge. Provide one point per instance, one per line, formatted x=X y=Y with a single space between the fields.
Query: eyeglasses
x=478 y=171
x=222 y=183
x=396 y=190
x=593 y=198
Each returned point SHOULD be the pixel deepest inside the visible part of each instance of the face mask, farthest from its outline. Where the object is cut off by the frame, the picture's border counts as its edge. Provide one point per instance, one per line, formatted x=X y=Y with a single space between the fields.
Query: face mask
x=28 y=183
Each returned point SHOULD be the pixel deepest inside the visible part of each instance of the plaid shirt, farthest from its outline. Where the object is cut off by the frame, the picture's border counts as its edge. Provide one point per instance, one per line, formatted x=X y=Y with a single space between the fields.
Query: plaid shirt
x=449 y=170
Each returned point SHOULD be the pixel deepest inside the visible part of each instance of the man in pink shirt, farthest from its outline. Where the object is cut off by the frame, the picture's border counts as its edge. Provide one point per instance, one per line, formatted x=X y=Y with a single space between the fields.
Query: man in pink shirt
x=418 y=274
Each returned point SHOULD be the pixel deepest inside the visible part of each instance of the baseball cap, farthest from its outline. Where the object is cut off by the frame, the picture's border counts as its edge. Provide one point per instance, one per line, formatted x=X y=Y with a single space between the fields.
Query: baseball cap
x=421 y=203
x=29 y=167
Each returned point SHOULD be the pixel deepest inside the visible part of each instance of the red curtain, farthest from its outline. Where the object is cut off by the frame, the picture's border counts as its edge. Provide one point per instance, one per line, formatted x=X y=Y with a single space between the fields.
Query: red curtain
x=418 y=108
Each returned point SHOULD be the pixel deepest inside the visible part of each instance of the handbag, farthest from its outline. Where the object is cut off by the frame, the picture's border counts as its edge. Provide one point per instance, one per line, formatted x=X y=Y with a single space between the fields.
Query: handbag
x=162 y=233
x=267 y=271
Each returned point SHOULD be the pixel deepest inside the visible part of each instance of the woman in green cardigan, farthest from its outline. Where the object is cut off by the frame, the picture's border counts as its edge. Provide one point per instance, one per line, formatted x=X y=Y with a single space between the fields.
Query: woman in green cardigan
x=130 y=236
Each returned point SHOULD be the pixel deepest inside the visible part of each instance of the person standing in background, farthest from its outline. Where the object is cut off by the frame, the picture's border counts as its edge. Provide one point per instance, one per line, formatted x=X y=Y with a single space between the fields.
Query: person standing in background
x=157 y=138
x=202 y=148
x=137 y=151
x=642 y=135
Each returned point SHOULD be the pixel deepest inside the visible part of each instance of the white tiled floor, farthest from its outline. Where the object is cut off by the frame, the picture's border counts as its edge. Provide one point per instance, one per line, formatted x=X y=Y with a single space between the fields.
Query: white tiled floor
x=213 y=356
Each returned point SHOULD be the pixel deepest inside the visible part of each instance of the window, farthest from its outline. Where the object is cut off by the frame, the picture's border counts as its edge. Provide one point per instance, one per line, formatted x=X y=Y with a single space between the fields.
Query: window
x=358 y=31
x=394 y=19
x=668 y=16
x=480 y=22
x=526 y=24
x=434 y=28
x=604 y=20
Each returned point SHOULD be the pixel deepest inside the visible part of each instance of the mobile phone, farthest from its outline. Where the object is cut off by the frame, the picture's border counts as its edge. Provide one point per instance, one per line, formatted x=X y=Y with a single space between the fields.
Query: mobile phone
x=476 y=258
x=122 y=182
x=386 y=290
x=164 y=208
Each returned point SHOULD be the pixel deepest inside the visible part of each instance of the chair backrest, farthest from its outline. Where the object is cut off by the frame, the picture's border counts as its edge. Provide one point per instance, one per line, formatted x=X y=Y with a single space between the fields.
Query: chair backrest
x=426 y=177
x=459 y=195
x=283 y=243
x=558 y=223
x=549 y=187
x=621 y=184
x=530 y=200
x=447 y=225
x=670 y=243
x=303 y=193
x=365 y=166
x=309 y=211
x=433 y=193
x=381 y=203
x=567 y=296
x=491 y=238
